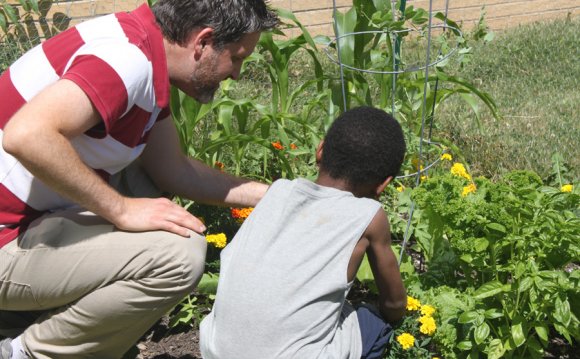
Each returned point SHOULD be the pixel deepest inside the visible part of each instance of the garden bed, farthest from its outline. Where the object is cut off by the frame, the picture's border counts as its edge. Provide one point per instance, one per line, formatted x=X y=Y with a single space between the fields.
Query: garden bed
x=164 y=342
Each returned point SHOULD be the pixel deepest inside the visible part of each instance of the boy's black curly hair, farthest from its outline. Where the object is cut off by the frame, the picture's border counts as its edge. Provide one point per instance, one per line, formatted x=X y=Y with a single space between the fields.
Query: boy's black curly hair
x=363 y=146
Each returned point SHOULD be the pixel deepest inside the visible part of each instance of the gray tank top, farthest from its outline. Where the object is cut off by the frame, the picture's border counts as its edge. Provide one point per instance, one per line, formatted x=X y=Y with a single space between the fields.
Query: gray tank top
x=283 y=278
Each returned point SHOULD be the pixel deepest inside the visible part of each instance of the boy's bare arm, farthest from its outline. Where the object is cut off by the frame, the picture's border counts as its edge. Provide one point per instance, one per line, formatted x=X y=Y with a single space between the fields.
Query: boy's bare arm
x=392 y=294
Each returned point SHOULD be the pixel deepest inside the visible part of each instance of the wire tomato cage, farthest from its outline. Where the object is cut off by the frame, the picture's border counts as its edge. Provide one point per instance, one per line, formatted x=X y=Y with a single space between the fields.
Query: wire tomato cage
x=397 y=68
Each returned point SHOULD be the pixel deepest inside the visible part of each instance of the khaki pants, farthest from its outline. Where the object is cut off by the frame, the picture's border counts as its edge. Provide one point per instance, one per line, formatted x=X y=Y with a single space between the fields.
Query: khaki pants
x=96 y=289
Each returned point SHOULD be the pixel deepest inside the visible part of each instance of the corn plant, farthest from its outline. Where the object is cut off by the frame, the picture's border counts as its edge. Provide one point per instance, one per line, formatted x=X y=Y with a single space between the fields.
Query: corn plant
x=20 y=23
x=370 y=38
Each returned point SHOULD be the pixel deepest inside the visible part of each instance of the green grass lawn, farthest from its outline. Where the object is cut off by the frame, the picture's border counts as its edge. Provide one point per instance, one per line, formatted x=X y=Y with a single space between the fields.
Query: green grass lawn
x=532 y=73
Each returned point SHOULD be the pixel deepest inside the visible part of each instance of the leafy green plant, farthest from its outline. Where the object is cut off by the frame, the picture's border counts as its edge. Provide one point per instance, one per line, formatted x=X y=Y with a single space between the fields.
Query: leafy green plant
x=412 y=338
x=20 y=24
x=367 y=33
x=195 y=307
x=511 y=240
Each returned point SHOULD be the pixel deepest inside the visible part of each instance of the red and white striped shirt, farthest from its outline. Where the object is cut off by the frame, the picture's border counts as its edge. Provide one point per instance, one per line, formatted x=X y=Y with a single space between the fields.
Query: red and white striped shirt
x=119 y=62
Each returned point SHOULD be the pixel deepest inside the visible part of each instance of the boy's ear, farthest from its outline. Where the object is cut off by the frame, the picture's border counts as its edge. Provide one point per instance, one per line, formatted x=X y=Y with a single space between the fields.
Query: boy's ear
x=319 y=152
x=381 y=187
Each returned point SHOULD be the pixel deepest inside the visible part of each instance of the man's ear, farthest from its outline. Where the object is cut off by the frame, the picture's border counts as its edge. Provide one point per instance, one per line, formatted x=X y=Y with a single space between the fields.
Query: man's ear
x=381 y=187
x=200 y=40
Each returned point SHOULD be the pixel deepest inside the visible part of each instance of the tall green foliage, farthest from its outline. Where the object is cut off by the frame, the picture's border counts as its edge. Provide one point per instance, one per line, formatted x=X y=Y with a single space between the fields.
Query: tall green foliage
x=20 y=24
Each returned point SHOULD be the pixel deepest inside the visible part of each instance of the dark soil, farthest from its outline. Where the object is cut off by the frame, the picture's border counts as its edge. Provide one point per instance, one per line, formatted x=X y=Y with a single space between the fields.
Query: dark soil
x=163 y=342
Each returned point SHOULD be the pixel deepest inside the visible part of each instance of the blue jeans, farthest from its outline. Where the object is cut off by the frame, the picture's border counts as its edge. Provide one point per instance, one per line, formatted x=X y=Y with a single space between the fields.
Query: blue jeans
x=375 y=332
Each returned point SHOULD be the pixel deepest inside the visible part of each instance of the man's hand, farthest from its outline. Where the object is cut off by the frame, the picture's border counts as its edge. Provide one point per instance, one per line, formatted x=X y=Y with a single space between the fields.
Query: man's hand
x=150 y=214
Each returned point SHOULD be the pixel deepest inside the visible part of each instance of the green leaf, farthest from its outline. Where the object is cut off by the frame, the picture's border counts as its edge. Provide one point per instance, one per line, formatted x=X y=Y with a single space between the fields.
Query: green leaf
x=493 y=314
x=564 y=331
x=518 y=332
x=489 y=37
x=495 y=349
x=465 y=345
x=562 y=312
x=496 y=227
x=525 y=284
x=481 y=333
x=542 y=331
x=472 y=102
x=480 y=244
x=534 y=349
x=24 y=5
x=11 y=13
x=208 y=283
x=34 y=6
x=3 y=25
x=468 y=317
x=364 y=272
x=488 y=289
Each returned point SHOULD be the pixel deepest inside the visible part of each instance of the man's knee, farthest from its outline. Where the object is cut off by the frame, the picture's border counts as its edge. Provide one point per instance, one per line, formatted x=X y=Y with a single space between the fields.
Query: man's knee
x=187 y=257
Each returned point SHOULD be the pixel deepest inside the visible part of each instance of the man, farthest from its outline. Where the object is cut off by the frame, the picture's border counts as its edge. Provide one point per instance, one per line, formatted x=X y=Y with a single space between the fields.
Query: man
x=102 y=266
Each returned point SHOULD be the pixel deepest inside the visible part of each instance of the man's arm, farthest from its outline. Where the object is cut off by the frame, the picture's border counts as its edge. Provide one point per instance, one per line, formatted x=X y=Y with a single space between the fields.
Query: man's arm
x=174 y=172
x=39 y=136
x=392 y=294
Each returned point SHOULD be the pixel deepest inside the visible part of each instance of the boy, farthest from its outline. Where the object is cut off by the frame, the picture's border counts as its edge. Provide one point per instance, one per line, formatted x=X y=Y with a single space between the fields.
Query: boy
x=285 y=276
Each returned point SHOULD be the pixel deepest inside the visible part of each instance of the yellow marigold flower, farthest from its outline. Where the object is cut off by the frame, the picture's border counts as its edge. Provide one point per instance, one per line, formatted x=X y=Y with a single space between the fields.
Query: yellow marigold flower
x=567 y=188
x=423 y=178
x=217 y=240
x=406 y=340
x=446 y=157
x=427 y=310
x=459 y=170
x=400 y=188
x=413 y=304
x=435 y=358
x=471 y=188
x=428 y=325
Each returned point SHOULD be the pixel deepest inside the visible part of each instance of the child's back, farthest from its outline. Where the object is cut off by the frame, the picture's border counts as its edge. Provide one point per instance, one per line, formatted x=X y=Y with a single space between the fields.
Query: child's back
x=283 y=279
x=285 y=276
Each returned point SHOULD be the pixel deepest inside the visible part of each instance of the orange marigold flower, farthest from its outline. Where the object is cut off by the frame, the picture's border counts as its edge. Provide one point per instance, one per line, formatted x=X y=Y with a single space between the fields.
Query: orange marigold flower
x=277 y=145
x=293 y=146
x=219 y=165
x=241 y=213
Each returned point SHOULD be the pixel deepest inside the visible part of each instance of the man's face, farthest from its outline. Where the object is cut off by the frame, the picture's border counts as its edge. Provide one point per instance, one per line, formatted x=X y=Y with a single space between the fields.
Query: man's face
x=216 y=65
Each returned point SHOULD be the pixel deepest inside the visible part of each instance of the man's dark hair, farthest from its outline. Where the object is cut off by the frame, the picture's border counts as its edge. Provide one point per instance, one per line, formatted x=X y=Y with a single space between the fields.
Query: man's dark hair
x=230 y=19
x=363 y=146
